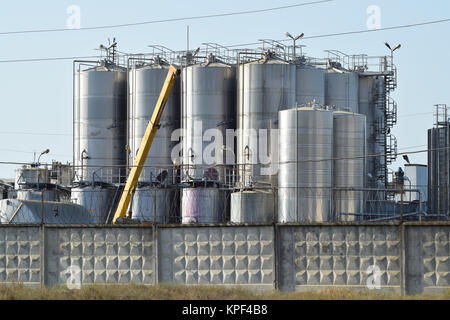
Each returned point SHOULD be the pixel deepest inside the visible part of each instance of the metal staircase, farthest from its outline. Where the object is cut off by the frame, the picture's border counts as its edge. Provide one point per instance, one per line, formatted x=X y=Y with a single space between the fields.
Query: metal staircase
x=387 y=119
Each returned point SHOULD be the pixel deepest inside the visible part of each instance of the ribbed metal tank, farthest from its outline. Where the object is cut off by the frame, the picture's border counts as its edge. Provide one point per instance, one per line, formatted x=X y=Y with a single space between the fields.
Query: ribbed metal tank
x=370 y=87
x=152 y=204
x=97 y=200
x=209 y=102
x=349 y=141
x=144 y=88
x=305 y=180
x=203 y=205
x=255 y=206
x=100 y=112
x=265 y=87
x=310 y=85
x=341 y=89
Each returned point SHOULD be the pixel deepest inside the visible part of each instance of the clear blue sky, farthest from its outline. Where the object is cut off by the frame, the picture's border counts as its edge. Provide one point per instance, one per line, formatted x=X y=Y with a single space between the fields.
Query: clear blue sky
x=37 y=97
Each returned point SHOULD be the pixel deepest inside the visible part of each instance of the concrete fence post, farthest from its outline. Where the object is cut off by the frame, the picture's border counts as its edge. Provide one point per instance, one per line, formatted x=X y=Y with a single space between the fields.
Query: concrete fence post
x=155 y=253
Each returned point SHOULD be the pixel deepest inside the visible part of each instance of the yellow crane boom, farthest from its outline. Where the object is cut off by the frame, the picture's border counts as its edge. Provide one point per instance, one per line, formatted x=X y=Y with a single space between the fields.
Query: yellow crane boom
x=146 y=143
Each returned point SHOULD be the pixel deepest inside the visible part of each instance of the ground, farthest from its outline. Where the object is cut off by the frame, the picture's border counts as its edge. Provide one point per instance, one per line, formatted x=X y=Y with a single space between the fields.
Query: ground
x=181 y=292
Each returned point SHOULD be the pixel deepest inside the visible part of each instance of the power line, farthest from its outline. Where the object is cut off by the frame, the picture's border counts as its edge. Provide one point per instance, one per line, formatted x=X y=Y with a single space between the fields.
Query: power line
x=69 y=134
x=169 y=20
x=247 y=44
x=415 y=114
x=285 y=162
x=48 y=59
x=412 y=25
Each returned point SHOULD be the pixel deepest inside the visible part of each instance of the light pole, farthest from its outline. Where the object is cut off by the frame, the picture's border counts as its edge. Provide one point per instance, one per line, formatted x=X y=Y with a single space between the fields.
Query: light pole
x=294 y=39
x=392 y=50
x=42 y=153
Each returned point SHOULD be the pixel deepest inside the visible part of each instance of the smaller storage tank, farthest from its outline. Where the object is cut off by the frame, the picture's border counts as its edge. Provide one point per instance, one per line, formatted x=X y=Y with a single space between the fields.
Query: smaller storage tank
x=204 y=205
x=253 y=206
x=349 y=142
x=154 y=204
x=305 y=172
x=96 y=199
x=341 y=89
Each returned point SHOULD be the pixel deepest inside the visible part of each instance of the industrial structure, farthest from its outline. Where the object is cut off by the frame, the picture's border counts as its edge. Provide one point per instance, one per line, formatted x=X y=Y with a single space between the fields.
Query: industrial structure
x=439 y=162
x=236 y=136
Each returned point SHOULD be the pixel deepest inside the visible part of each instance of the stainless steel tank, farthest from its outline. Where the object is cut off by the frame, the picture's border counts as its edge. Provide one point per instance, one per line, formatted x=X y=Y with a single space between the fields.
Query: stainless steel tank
x=310 y=85
x=145 y=84
x=305 y=175
x=209 y=102
x=349 y=142
x=265 y=87
x=255 y=206
x=204 y=205
x=100 y=109
x=97 y=200
x=341 y=89
x=152 y=204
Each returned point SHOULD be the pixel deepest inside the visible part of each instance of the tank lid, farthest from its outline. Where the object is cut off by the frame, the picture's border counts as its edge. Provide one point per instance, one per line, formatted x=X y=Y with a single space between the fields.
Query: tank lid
x=256 y=191
x=105 y=66
x=212 y=61
x=309 y=108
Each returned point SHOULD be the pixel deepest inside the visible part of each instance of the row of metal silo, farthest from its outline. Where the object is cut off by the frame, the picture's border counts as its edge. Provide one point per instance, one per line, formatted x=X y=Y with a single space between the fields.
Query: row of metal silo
x=193 y=184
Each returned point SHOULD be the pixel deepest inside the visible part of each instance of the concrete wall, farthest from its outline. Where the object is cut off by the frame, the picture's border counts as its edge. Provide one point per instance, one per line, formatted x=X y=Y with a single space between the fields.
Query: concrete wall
x=20 y=255
x=104 y=255
x=427 y=260
x=320 y=257
x=410 y=258
x=217 y=255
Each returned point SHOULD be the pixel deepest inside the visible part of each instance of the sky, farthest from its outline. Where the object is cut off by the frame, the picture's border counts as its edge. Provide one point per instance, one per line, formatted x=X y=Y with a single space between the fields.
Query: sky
x=36 y=97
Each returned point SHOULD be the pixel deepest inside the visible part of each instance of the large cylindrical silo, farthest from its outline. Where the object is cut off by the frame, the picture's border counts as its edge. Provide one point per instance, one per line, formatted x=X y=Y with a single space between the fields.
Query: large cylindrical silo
x=208 y=109
x=310 y=85
x=349 y=146
x=265 y=87
x=145 y=84
x=152 y=203
x=204 y=205
x=100 y=109
x=341 y=90
x=305 y=175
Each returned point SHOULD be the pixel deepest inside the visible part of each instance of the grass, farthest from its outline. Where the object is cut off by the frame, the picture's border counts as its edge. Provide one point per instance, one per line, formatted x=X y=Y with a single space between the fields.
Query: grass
x=182 y=292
